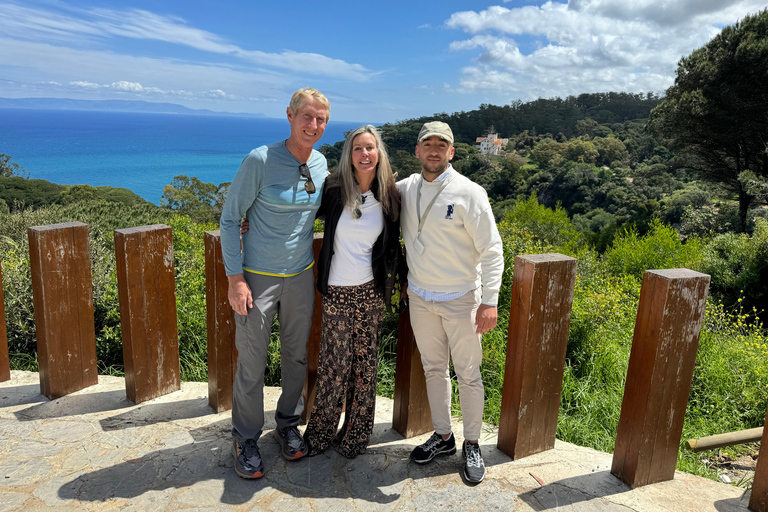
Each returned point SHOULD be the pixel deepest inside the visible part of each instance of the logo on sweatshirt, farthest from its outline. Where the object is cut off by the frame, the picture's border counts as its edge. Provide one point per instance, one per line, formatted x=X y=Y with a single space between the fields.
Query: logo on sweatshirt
x=449 y=213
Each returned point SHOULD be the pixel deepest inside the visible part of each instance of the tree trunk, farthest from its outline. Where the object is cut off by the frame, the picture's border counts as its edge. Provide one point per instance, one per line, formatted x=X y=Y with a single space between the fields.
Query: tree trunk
x=744 y=201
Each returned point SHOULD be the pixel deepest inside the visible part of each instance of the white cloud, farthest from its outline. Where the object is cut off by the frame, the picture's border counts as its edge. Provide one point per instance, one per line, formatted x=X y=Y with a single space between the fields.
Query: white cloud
x=39 y=25
x=86 y=85
x=127 y=86
x=218 y=94
x=137 y=88
x=586 y=45
x=149 y=77
x=669 y=12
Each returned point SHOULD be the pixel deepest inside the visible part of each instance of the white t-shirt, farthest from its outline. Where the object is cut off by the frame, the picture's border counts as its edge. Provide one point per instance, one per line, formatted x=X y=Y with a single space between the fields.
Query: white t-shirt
x=353 y=244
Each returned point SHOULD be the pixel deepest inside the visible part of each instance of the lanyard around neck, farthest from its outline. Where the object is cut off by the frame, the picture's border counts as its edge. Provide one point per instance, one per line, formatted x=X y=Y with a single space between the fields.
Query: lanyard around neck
x=423 y=218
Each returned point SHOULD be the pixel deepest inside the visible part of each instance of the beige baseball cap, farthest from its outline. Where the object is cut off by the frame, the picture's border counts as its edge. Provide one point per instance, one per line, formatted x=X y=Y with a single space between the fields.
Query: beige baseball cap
x=436 y=128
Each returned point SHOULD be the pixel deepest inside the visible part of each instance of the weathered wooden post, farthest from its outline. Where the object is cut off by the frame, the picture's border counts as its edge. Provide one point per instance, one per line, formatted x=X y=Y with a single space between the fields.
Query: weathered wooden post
x=222 y=353
x=147 y=293
x=62 y=294
x=539 y=319
x=669 y=318
x=5 y=362
x=758 y=502
x=313 y=343
x=412 y=415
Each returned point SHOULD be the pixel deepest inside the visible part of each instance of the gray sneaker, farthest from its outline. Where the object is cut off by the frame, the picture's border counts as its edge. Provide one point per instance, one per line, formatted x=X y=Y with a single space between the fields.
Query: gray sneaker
x=474 y=467
x=247 y=459
x=434 y=446
x=292 y=445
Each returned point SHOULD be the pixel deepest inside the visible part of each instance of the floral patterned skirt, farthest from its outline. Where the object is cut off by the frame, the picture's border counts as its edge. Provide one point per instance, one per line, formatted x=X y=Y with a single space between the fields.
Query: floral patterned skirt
x=347 y=369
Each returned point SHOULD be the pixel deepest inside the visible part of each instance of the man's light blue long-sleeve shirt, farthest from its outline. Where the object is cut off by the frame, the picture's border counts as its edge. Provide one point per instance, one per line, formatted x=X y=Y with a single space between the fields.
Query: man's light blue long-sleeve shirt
x=269 y=190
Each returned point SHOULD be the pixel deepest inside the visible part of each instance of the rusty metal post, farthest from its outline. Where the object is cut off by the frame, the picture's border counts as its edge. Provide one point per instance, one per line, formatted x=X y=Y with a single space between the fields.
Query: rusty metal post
x=539 y=319
x=222 y=353
x=412 y=415
x=669 y=318
x=313 y=343
x=62 y=294
x=758 y=502
x=147 y=293
x=5 y=362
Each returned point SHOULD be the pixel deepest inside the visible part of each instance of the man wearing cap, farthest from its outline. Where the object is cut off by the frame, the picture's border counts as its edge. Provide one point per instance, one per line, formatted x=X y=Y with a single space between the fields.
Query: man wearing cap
x=278 y=189
x=455 y=262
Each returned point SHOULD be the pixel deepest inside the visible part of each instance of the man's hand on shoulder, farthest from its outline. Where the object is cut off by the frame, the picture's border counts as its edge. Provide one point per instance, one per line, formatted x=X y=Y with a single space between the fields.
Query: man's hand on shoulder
x=486 y=318
x=239 y=294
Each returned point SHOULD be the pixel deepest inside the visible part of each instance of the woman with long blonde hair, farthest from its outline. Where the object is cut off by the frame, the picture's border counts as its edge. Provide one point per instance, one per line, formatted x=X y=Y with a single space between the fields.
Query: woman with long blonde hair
x=358 y=261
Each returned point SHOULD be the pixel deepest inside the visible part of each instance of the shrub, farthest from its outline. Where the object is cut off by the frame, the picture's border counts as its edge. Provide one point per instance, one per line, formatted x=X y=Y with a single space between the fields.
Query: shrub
x=738 y=264
x=549 y=226
x=660 y=248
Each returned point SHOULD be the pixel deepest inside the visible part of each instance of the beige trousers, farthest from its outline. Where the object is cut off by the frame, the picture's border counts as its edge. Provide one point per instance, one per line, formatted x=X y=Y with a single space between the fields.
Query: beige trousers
x=446 y=330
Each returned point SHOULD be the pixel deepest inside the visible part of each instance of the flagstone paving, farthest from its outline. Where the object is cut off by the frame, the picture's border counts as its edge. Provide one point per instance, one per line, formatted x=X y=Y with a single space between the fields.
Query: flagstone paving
x=94 y=450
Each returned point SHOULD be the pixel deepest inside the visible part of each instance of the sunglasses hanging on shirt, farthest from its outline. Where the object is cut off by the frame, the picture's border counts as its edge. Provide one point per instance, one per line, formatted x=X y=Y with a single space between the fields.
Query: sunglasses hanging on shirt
x=309 y=185
x=358 y=211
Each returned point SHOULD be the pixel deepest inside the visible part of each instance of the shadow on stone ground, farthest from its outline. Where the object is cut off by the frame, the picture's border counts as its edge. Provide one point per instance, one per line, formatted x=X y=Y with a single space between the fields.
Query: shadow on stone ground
x=565 y=493
x=375 y=476
x=95 y=450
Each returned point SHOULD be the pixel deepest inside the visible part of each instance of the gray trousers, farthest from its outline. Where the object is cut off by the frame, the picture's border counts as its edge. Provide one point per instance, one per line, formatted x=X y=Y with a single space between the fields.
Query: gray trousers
x=293 y=300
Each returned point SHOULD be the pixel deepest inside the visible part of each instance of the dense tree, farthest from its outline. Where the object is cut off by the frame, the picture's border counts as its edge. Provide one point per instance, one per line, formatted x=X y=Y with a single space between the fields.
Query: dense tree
x=717 y=110
x=201 y=201
x=548 y=153
x=332 y=153
x=77 y=193
x=19 y=193
x=8 y=168
x=611 y=150
x=583 y=151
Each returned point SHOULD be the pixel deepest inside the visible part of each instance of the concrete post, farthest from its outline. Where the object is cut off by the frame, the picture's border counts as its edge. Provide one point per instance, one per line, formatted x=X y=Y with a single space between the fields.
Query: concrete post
x=222 y=353
x=661 y=363
x=412 y=415
x=539 y=320
x=62 y=293
x=758 y=501
x=5 y=363
x=146 y=288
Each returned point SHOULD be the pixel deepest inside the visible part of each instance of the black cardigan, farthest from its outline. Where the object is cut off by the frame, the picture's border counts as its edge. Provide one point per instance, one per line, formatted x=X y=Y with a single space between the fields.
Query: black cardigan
x=387 y=257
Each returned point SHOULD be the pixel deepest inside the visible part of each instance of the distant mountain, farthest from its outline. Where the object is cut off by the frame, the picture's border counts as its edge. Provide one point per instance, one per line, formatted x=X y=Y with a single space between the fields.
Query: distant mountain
x=111 y=106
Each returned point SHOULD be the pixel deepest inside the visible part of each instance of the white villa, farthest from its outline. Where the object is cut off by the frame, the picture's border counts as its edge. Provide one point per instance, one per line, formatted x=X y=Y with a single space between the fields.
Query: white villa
x=491 y=144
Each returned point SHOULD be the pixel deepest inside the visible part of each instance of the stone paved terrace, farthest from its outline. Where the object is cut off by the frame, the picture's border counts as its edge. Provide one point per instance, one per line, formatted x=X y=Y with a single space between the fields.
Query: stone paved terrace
x=94 y=450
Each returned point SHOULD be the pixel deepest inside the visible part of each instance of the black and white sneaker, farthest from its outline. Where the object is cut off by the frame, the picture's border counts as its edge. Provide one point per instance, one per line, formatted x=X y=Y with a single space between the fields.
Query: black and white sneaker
x=474 y=466
x=434 y=446
x=292 y=445
x=247 y=459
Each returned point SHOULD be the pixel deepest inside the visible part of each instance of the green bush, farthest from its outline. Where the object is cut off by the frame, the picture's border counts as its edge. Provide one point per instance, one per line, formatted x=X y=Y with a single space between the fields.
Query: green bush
x=738 y=264
x=660 y=248
x=550 y=226
x=19 y=193
x=721 y=218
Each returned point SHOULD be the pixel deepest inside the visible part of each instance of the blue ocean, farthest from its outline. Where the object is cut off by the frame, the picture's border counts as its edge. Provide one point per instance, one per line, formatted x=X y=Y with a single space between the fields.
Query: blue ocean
x=138 y=151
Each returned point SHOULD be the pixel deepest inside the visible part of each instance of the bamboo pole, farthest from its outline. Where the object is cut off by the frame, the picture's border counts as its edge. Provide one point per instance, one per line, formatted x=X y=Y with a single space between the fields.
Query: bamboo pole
x=751 y=435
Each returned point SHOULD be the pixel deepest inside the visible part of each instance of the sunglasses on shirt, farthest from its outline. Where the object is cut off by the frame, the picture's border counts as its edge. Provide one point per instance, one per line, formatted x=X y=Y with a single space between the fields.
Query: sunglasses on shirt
x=309 y=185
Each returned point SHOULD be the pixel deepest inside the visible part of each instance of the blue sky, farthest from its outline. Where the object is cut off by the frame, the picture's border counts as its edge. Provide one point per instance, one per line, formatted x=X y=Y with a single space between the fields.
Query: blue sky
x=376 y=61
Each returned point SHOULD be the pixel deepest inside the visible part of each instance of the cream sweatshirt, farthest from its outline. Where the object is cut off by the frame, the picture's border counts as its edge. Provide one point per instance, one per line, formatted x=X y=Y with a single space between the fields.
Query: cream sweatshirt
x=462 y=246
